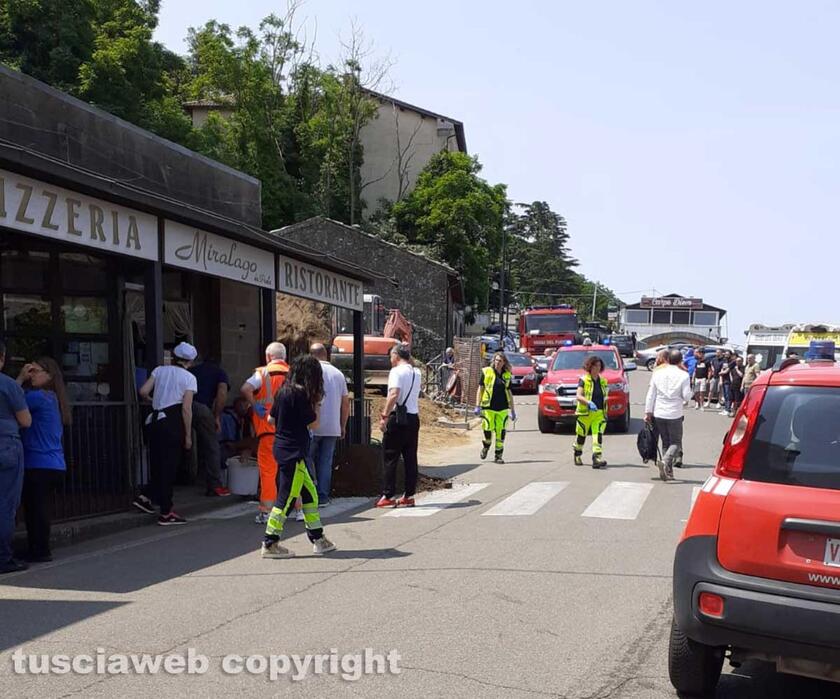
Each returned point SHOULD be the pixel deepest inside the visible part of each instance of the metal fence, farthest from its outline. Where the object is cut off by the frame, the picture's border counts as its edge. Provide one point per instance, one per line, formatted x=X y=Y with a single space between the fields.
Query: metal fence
x=101 y=447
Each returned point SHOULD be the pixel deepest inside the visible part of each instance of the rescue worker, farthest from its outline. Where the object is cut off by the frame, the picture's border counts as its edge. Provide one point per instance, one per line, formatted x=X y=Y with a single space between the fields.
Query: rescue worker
x=494 y=403
x=259 y=390
x=590 y=412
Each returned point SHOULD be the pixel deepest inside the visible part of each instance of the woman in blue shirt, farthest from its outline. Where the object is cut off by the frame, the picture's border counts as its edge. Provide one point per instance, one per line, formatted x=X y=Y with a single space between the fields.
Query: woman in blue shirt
x=43 y=453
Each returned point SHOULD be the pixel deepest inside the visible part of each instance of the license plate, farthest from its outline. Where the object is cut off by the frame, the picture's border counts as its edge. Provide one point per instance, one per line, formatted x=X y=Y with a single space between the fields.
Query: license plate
x=832 y=552
x=569 y=400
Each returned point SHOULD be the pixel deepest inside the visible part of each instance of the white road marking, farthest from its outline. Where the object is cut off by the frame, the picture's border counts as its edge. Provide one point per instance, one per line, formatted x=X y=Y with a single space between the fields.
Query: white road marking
x=527 y=500
x=336 y=507
x=436 y=501
x=619 y=500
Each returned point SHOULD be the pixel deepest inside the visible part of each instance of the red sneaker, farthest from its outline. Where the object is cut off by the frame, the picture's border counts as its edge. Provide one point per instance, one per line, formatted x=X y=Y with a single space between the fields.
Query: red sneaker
x=405 y=502
x=386 y=502
x=221 y=491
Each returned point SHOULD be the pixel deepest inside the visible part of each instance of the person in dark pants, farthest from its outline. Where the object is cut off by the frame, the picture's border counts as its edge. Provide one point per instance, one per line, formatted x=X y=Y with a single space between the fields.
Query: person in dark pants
x=668 y=393
x=43 y=452
x=400 y=424
x=294 y=412
x=14 y=415
x=168 y=430
x=210 y=399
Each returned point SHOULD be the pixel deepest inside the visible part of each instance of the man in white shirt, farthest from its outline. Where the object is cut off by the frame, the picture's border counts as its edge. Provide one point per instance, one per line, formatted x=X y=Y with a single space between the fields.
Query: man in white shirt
x=332 y=424
x=400 y=434
x=668 y=393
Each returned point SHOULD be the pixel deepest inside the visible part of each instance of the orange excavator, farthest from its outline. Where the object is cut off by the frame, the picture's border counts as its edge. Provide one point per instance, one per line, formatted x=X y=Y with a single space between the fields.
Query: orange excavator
x=381 y=334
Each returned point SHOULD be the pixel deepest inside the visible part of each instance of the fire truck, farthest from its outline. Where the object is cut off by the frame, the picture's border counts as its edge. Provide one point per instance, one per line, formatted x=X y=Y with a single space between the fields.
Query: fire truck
x=542 y=327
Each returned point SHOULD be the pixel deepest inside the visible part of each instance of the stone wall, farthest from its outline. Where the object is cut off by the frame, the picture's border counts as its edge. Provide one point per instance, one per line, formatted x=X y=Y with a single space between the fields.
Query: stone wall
x=424 y=285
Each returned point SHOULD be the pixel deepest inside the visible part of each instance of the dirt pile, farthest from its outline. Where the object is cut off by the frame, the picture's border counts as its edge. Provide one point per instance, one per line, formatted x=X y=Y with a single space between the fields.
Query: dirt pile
x=301 y=322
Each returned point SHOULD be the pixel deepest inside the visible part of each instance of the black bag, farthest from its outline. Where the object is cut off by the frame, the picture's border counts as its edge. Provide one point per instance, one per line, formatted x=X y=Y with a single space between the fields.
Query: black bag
x=401 y=411
x=647 y=442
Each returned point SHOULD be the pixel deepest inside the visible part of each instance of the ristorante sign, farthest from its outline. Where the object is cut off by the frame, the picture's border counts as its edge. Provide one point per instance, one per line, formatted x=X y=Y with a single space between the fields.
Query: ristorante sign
x=677 y=302
x=208 y=253
x=317 y=284
x=53 y=212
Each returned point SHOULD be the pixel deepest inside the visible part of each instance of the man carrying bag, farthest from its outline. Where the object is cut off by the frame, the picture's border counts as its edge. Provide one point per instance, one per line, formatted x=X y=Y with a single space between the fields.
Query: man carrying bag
x=400 y=424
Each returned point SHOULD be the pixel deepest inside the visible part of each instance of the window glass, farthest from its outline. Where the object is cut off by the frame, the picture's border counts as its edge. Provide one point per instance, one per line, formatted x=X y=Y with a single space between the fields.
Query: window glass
x=681 y=317
x=547 y=324
x=81 y=272
x=25 y=313
x=797 y=440
x=85 y=315
x=84 y=359
x=663 y=317
x=705 y=318
x=637 y=316
x=20 y=350
x=575 y=359
x=516 y=359
x=26 y=270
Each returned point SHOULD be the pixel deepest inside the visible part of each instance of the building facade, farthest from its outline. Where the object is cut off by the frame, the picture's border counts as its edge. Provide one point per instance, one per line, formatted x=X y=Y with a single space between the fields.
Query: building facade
x=428 y=293
x=398 y=143
x=115 y=245
x=673 y=318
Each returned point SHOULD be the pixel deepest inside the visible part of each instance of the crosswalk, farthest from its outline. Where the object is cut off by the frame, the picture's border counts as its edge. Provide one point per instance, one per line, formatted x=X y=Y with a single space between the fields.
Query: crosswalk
x=618 y=500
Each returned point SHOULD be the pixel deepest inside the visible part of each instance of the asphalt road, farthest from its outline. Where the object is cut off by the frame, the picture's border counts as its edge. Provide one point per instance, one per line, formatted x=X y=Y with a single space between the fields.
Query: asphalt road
x=537 y=578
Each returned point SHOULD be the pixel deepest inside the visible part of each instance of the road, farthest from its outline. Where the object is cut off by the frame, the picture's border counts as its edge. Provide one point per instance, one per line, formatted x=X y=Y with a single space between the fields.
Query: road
x=511 y=589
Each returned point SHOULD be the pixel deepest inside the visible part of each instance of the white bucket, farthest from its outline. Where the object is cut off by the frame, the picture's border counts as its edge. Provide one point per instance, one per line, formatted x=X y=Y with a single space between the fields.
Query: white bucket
x=243 y=477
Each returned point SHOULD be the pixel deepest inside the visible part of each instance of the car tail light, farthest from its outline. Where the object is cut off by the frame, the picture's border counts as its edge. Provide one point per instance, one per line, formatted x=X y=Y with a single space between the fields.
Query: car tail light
x=711 y=604
x=737 y=442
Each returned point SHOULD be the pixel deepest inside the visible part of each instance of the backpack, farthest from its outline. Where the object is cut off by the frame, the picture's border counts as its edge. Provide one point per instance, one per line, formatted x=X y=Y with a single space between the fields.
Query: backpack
x=647 y=443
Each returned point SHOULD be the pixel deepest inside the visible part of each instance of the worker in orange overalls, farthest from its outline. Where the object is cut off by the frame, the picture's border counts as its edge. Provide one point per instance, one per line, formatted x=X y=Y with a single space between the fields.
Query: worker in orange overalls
x=259 y=390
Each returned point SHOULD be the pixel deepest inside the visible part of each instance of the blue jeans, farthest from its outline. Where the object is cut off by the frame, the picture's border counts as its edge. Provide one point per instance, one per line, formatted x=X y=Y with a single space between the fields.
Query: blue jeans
x=11 y=485
x=321 y=452
x=727 y=396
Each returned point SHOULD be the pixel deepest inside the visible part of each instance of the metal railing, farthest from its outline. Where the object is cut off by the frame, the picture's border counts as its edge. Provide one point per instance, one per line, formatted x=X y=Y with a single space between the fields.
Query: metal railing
x=101 y=447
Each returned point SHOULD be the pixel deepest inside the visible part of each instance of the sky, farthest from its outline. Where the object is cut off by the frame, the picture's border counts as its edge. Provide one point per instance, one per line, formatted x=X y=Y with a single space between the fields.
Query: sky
x=693 y=148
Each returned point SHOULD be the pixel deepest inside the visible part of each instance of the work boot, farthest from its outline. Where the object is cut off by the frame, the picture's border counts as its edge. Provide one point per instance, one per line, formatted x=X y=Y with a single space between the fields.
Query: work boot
x=484 y=449
x=322 y=546
x=275 y=550
x=598 y=461
x=498 y=459
x=578 y=459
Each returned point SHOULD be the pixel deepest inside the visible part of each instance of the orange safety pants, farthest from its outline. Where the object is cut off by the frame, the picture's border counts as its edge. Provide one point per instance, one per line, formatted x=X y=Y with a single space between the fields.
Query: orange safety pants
x=266 y=462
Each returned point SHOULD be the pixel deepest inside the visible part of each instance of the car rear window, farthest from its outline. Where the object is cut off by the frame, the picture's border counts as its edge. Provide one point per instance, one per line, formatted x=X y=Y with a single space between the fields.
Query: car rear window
x=797 y=439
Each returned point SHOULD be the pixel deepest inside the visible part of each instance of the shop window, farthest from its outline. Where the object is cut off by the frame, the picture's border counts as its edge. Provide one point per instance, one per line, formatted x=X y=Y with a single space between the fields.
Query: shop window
x=662 y=317
x=681 y=317
x=25 y=270
x=20 y=350
x=707 y=318
x=637 y=316
x=80 y=272
x=28 y=314
x=85 y=315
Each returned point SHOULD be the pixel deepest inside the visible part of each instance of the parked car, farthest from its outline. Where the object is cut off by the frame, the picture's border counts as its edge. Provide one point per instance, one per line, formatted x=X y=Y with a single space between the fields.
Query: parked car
x=623 y=343
x=523 y=372
x=558 y=389
x=757 y=571
x=647 y=357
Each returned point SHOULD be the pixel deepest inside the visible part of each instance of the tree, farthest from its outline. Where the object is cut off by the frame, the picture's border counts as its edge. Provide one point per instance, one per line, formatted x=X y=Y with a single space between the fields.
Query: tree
x=459 y=217
x=541 y=269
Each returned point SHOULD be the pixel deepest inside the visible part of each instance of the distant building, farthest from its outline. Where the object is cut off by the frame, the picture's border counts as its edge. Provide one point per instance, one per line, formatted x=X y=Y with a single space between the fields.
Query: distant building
x=673 y=318
x=398 y=143
x=199 y=110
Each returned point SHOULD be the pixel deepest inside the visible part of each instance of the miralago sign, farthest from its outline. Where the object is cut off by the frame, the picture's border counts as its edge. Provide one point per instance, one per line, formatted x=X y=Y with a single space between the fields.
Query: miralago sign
x=201 y=251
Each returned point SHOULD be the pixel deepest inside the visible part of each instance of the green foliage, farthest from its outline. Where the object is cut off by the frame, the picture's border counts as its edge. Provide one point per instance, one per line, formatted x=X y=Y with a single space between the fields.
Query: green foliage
x=458 y=216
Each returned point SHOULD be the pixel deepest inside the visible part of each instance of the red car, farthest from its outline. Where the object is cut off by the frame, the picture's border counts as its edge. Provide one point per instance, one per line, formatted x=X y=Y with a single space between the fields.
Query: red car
x=559 y=387
x=757 y=571
x=523 y=372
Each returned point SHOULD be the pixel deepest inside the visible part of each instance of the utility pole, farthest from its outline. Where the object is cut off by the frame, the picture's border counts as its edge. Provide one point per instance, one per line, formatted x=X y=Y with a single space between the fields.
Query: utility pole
x=502 y=326
x=594 y=299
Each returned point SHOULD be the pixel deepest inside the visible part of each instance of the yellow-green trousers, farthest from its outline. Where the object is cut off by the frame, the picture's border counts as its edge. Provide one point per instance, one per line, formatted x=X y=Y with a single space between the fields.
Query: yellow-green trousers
x=594 y=423
x=494 y=422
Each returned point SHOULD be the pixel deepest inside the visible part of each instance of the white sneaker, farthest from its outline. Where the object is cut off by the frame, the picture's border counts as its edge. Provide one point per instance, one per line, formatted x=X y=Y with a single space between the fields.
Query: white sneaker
x=322 y=546
x=697 y=407
x=275 y=550
x=723 y=412
x=299 y=516
x=261 y=518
